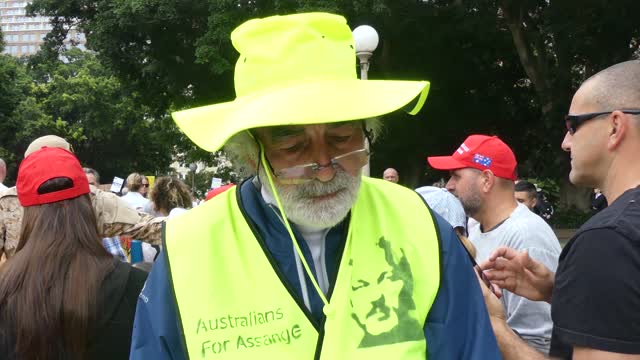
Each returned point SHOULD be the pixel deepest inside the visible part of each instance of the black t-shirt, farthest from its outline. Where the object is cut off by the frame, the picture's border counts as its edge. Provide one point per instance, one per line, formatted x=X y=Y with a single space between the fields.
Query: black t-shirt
x=596 y=298
x=116 y=307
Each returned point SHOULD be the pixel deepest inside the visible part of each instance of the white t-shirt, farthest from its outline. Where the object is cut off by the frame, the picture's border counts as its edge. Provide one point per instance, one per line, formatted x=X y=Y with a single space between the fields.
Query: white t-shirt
x=523 y=230
x=135 y=200
x=2 y=187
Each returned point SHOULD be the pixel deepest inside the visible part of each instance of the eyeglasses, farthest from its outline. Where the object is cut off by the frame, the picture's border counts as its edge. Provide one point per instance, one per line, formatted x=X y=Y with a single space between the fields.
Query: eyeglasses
x=350 y=161
x=145 y=185
x=573 y=122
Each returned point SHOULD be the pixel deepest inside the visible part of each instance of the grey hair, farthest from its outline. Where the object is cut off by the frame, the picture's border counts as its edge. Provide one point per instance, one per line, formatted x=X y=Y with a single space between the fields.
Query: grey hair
x=242 y=149
x=92 y=172
x=616 y=87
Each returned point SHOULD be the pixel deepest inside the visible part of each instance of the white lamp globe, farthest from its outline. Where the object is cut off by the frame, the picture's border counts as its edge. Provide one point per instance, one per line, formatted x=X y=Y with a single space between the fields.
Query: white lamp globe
x=365 y=38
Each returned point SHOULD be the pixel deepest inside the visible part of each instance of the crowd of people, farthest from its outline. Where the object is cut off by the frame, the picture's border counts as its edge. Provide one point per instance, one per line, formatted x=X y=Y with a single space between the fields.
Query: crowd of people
x=307 y=258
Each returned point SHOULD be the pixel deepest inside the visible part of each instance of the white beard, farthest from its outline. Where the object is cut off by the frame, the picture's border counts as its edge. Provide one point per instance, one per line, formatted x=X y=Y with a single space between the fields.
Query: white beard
x=301 y=208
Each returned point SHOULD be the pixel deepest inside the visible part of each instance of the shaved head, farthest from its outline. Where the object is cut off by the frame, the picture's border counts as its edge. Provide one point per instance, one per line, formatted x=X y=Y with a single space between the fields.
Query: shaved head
x=615 y=88
x=391 y=174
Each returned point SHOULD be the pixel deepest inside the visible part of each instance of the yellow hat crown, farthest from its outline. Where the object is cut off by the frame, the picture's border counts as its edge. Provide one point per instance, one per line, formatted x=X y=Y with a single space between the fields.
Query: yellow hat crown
x=281 y=51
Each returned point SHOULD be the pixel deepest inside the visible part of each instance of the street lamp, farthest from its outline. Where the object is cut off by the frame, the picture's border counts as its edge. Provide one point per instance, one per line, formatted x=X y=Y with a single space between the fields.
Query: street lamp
x=193 y=167
x=366 y=41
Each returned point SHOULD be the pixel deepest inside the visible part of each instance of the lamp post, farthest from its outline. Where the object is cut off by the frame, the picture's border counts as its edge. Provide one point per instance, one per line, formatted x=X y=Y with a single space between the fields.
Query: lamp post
x=366 y=41
x=193 y=167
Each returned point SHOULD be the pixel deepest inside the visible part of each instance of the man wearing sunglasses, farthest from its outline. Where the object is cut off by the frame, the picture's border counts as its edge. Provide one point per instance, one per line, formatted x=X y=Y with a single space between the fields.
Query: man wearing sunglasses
x=595 y=293
x=307 y=258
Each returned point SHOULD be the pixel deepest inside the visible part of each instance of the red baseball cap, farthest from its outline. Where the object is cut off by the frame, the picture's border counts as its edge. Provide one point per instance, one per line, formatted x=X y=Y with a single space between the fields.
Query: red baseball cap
x=480 y=152
x=46 y=164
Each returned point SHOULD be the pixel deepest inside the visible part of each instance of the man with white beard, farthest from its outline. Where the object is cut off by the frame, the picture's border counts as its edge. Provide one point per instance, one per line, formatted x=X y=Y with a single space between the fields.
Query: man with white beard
x=308 y=258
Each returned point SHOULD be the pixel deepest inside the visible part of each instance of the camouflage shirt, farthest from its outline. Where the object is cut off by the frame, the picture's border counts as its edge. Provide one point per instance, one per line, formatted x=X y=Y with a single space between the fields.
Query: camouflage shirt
x=114 y=218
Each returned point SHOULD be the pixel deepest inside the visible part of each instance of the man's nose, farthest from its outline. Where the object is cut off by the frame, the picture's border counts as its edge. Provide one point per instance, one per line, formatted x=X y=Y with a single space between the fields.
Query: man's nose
x=326 y=172
x=566 y=142
x=450 y=186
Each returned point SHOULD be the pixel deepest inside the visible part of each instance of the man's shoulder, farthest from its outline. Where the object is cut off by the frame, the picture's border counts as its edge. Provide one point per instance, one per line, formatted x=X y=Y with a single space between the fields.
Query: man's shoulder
x=110 y=208
x=9 y=193
x=391 y=193
x=9 y=200
x=101 y=194
x=528 y=224
x=604 y=243
x=205 y=218
x=385 y=188
x=525 y=230
x=622 y=216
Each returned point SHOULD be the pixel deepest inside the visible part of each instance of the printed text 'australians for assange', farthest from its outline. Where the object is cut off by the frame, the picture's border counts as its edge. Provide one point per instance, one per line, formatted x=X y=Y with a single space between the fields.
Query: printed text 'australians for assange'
x=251 y=341
x=250 y=319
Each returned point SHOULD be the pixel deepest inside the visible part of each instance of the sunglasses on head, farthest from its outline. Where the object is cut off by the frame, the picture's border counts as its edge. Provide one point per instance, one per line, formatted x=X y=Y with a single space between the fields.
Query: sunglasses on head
x=573 y=122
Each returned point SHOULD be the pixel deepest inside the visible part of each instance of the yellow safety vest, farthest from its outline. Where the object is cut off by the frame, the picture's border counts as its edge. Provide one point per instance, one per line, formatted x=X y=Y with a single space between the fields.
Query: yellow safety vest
x=234 y=303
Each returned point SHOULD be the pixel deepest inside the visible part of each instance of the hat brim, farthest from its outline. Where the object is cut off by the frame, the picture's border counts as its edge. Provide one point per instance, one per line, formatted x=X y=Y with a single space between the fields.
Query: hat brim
x=325 y=101
x=445 y=163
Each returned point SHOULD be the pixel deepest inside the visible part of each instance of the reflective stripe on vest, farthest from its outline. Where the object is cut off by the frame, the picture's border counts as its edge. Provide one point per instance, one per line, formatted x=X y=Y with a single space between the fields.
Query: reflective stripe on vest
x=234 y=304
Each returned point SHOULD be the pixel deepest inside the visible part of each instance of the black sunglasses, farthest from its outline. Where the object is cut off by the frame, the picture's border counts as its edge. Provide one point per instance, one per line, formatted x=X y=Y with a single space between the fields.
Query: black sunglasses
x=573 y=122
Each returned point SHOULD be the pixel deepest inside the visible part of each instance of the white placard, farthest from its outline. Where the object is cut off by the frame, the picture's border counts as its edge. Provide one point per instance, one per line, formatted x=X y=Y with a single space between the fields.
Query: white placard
x=216 y=183
x=116 y=184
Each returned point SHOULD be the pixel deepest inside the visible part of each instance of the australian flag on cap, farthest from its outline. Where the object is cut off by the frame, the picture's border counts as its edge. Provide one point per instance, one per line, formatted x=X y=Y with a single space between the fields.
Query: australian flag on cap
x=482 y=160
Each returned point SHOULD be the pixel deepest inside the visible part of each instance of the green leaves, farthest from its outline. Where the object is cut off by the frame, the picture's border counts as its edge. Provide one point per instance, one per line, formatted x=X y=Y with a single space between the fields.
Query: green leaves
x=14 y=86
x=505 y=67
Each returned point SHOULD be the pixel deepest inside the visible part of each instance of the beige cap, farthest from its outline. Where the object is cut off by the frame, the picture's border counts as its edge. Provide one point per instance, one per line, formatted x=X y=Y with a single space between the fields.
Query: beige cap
x=48 y=141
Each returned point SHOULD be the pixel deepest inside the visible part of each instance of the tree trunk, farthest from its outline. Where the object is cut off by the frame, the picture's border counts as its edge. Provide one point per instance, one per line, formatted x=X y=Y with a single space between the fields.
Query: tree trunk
x=574 y=196
x=532 y=61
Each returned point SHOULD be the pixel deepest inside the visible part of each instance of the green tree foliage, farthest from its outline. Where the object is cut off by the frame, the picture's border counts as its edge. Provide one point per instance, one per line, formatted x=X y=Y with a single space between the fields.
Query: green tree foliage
x=14 y=84
x=505 y=67
x=79 y=99
x=200 y=183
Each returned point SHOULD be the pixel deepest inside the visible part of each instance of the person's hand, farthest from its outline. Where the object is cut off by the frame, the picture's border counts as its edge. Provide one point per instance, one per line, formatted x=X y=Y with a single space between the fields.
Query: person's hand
x=494 y=306
x=495 y=289
x=517 y=272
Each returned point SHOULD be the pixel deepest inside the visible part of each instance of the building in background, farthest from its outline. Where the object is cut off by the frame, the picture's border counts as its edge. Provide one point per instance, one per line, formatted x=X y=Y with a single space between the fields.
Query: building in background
x=23 y=35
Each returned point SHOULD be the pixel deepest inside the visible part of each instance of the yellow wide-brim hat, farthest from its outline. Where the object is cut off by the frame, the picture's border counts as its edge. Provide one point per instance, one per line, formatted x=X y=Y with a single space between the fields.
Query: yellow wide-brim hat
x=296 y=70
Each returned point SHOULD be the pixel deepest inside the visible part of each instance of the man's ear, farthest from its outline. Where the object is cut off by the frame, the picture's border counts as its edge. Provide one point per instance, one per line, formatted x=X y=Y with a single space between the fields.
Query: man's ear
x=488 y=180
x=618 y=124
